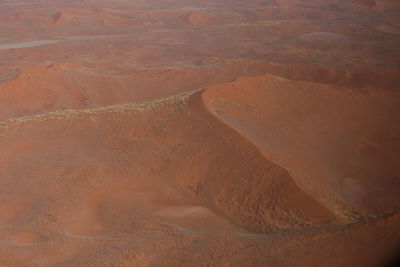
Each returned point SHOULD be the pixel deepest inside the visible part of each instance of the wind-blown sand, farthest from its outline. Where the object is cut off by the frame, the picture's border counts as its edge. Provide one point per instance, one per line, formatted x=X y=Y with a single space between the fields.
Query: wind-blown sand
x=192 y=133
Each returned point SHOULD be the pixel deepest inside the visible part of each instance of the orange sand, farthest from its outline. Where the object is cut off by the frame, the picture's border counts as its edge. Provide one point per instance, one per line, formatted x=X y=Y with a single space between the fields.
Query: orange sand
x=199 y=133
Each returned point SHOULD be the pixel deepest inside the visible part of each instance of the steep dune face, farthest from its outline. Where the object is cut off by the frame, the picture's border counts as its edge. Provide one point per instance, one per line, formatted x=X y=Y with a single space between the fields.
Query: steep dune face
x=244 y=197
x=296 y=124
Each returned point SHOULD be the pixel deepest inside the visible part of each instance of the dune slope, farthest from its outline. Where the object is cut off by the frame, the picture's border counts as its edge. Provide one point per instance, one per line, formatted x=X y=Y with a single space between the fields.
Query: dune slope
x=128 y=174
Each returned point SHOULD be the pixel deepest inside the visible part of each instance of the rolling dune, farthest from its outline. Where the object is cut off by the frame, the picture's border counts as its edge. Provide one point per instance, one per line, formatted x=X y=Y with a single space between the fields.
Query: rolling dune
x=120 y=170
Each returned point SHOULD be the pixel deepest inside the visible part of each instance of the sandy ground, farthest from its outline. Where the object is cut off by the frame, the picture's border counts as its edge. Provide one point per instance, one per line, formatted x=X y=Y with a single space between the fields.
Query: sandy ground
x=199 y=133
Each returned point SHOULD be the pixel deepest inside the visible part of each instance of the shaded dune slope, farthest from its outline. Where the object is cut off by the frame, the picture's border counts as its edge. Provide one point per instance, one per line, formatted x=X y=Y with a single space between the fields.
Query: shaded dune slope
x=350 y=138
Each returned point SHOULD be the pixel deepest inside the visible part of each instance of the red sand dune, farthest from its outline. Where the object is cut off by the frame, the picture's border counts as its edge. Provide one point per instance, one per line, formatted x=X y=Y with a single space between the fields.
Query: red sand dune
x=199 y=17
x=360 y=170
x=386 y=5
x=199 y=133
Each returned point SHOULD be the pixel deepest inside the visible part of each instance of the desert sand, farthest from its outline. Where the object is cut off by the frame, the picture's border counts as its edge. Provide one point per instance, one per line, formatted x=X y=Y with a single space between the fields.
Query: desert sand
x=199 y=133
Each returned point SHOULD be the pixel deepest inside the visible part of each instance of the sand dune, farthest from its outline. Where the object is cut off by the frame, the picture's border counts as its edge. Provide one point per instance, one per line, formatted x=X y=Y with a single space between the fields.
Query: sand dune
x=307 y=133
x=199 y=17
x=199 y=133
x=125 y=170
